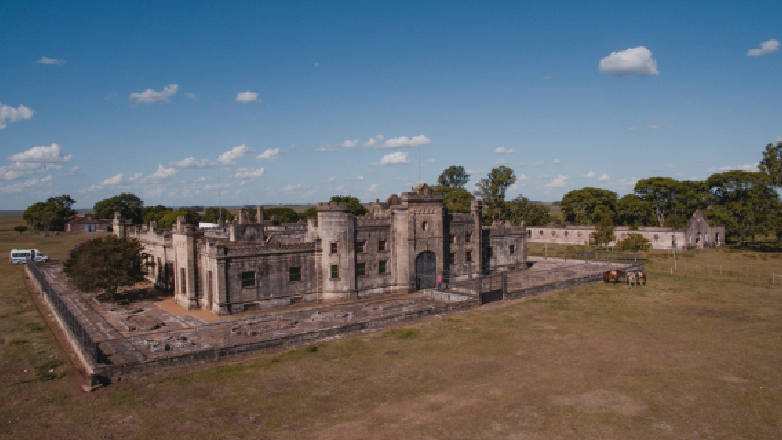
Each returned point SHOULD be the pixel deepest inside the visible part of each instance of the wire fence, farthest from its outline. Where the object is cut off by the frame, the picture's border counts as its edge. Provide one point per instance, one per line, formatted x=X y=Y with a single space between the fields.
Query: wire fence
x=718 y=271
x=66 y=315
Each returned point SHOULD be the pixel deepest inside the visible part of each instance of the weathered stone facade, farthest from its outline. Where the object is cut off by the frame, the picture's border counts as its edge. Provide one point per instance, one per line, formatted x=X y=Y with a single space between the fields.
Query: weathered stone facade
x=405 y=244
x=697 y=234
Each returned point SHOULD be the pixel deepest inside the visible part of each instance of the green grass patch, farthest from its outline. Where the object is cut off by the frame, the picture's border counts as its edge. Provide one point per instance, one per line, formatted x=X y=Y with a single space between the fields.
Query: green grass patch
x=403 y=333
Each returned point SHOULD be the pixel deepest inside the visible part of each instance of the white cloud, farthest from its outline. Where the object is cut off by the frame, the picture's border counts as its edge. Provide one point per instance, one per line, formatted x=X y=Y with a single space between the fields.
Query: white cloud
x=332 y=179
x=191 y=95
x=74 y=169
x=293 y=187
x=247 y=97
x=749 y=167
x=150 y=96
x=396 y=158
x=431 y=160
x=29 y=183
x=231 y=156
x=53 y=61
x=632 y=128
x=326 y=149
x=537 y=164
x=503 y=150
x=359 y=178
x=765 y=47
x=41 y=155
x=14 y=114
x=245 y=173
x=557 y=162
x=653 y=127
x=604 y=177
x=501 y=162
x=340 y=188
x=135 y=177
x=522 y=177
x=350 y=144
x=400 y=142
x=637 y=61
x=589 y=174
x=372 y=188
x=370 y=143
x=671 y=166
x=190 y=162
x=271 y=154
x=115 y=180
x=163 y=172
x=778 y=139
x=559 y=182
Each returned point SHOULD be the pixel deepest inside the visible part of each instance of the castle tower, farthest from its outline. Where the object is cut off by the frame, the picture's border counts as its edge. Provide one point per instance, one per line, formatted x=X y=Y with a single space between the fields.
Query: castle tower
x=337 y=229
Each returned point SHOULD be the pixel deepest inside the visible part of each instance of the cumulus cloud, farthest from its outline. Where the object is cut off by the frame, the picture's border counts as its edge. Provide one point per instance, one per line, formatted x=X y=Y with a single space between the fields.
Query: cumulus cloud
x=778 y=139
x=503 y=150
x=115 y=180
x=73 y=171
x=765 y=47
x=271 y=154
x=538 y=164
x=404 y=141
x=749 y=167
x=396 y=158
x=629 y=62
x=332 y=179
x=559 y=182
x=150 y=96
x=522 y=177
x=14 y=114
x=246 y=173
x=135 y=177
x=247 y=97
x=340 y=188
x=350 y=144
x=231 y=156
x=52 y=61
x=557 y=162
x=604 y=177
x=359 y=178
x=163 y=173
x=589 y=174
x=190 y=162
x=326 y=149
x=191 y=95
x=29 y=183
x=370 y=143
x=653 y=127
x=292 y=187
x=49 y=154
x=372 y=188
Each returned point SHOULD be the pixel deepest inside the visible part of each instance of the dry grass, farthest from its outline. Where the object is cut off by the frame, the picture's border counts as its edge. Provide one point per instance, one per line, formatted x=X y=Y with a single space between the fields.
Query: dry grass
x=680 y=358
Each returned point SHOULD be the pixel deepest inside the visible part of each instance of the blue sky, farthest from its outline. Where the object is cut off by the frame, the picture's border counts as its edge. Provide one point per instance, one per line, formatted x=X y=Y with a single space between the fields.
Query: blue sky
x=293 y=102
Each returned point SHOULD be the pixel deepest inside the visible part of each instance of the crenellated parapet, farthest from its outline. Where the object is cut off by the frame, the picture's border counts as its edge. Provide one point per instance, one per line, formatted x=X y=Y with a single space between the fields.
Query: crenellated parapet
x=332 y=206
x=248 y=249
x=367 y=221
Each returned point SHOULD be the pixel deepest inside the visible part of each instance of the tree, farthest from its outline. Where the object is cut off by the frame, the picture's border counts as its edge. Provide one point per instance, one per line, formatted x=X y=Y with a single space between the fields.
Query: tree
x=311 y=212
x=604 y=228
x=632 y=211
x=283 y=215
x=106 y=263
x=772 y=163
x=215 y=215
x=50 y=215
x=492 y=189
x=153 y=213
x=128 y=205
x=190 y=215
x=581 y=206
x=455 y=199
x=354 y=205
x=634 y=243
x=453 y=177
x=747 y=199
x=673 y=202
x=20 y=229
x=533 y=214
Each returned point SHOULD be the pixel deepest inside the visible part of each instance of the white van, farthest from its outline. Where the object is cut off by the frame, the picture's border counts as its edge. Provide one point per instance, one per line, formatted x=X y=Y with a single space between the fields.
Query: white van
x=20 y=256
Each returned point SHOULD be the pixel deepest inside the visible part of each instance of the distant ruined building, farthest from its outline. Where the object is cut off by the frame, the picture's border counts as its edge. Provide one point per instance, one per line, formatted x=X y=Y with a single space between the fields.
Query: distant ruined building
x=405 y=244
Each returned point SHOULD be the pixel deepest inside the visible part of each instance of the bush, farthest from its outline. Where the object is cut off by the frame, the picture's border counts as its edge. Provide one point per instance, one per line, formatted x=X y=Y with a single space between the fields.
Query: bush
x=633 y=243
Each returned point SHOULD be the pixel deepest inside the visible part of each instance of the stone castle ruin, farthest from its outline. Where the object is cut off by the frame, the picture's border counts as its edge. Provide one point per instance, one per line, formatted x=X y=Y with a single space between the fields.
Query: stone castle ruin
x=406 y=244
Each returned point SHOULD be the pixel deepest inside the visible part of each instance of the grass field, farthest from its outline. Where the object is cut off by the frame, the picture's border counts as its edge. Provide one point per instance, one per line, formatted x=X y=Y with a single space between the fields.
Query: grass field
x=685 y=357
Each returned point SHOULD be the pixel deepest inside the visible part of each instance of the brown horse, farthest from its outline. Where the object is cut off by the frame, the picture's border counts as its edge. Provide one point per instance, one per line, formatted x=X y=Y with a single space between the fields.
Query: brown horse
x=612 y=275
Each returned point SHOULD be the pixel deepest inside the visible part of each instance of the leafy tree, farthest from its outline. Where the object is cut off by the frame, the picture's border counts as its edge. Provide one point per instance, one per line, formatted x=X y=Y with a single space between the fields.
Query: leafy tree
x=128 y=205
x=283 y=215
x=169 y=219
x=632 y=211
x=354 y=205
x=522 y=209
x=453 y=177
x=455 y=199
x=20 y=229
x=672 y=202
x=153 y=213
x=492 y=189
x=581 y=206
x=106 y=263
x=634 y=243
x=604 y=228
x=50 y=215
x=772 y=163
x=311 y=212
x=215 y=214
x=748 y=200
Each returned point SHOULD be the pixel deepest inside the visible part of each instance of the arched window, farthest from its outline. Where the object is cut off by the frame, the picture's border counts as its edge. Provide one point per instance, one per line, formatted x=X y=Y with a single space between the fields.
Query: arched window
x=656 y=237
x=425 y=226
x=565 y=233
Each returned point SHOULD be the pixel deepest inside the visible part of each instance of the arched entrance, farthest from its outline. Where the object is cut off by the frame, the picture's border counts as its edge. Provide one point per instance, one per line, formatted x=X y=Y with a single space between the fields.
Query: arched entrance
x=426 y=270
